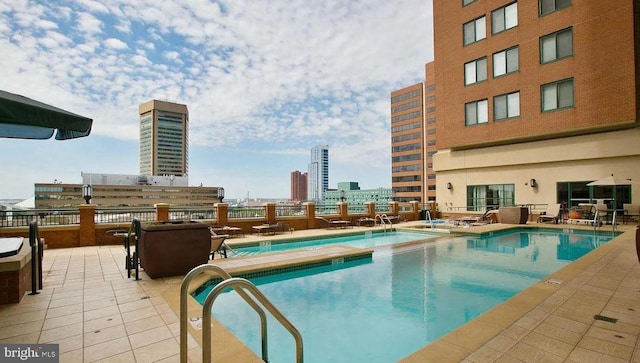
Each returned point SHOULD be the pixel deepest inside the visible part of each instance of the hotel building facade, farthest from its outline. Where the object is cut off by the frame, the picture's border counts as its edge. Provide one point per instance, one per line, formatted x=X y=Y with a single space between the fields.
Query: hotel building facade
x=535 y=99
x=164 y=138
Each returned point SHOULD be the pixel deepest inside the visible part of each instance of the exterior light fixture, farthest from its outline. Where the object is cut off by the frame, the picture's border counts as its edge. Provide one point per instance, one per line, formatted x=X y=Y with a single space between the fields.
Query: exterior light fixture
x=449 y=186
x=221 y=194
x=533 y=183
x=87 y=192
x=342 y=196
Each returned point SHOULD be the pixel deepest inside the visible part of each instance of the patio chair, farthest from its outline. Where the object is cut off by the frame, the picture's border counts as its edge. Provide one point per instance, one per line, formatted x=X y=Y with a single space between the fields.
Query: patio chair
x=630 y=212
x=217 y=245
x=478 y=220
x=551 y=214
x=281 y=227
x=334 y=223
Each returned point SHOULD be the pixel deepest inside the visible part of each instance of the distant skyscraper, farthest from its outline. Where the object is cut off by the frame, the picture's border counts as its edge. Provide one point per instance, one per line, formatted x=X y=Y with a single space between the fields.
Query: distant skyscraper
x=298 y=186
x=318 y=173
x=164 y=138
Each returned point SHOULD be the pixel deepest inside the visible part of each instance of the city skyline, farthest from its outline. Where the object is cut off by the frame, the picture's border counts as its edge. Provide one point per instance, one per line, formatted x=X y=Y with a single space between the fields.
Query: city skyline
x=261 y=88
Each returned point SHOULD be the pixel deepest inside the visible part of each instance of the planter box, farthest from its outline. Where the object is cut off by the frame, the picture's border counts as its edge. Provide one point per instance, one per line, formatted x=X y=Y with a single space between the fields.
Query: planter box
x=173 y=248
x=513 y=215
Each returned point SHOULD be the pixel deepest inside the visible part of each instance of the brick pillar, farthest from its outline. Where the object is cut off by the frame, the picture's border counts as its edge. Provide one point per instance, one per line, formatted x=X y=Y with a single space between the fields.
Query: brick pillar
x=162 y=212
x=343 y=209
x=222 y=214
x=87 y=234
x=270 y=212
x=311 y=214
x=371 y=209
x=394 y=208
x=415 y=208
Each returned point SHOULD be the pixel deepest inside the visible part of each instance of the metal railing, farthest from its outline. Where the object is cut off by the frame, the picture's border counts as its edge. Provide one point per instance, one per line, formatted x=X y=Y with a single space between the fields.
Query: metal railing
x=357 y=209
x=290 y=210
x=44 y=217
x=326 y=209
x=246 y=212
x=245 y=289
x=192 y=213
x=124 y=215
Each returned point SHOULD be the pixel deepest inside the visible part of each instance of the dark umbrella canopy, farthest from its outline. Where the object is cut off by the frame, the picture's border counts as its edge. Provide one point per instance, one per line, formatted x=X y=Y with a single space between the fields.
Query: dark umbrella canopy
x=24 y=118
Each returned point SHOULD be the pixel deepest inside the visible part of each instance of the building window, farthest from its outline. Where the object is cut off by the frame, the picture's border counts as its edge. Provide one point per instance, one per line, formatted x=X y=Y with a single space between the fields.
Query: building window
x=431 y=143
x=504 y=18
x=506 y=61
x=400 y=169
x=431 y=98
x=475 y=30
x=431 y=109
x=556 y=46
x=431 y=120
x=550 y=6
x=475 y=71
x=557 y=95
x=483 y=197
x=431 y=87
x=431 y=131
x=467 y=2
x=506 y=106
x=476 y=112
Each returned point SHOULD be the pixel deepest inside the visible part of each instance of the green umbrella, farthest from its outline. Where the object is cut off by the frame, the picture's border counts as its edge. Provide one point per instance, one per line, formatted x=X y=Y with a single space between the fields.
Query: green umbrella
x=24 y=118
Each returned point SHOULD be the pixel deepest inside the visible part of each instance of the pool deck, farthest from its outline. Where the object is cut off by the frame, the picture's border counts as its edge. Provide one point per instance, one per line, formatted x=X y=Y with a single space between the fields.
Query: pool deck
x=95 y=313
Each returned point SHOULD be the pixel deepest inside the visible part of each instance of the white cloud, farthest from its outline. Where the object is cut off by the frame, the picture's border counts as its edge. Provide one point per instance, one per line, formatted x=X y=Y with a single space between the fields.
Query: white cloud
x=114 y=43
x=271 y=76
x=88 y=23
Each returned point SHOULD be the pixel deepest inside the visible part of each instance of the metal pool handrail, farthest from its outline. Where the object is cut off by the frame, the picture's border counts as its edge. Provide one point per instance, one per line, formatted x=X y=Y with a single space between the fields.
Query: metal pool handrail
x=384 y=220
x=237 y=283
x=206 y=342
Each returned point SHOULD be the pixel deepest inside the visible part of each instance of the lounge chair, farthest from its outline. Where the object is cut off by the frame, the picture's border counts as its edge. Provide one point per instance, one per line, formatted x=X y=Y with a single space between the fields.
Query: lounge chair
x=281 y=227
x=593 y=214
x=366 y=222
x=334 y=223
x=217 y=245
x=551 y=214
x=478 y=220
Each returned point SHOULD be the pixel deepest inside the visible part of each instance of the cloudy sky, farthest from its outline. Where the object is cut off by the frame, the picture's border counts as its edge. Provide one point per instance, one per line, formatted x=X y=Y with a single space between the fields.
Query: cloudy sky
x=264 y=81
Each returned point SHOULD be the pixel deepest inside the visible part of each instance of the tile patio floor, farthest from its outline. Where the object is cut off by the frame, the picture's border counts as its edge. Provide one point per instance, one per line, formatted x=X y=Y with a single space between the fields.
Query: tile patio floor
x=96 y=314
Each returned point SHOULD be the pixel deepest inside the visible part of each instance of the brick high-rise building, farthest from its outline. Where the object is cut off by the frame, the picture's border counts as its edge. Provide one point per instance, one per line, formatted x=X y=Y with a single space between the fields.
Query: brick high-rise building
x=534 y=100
x=298 y=186
x=413 y=141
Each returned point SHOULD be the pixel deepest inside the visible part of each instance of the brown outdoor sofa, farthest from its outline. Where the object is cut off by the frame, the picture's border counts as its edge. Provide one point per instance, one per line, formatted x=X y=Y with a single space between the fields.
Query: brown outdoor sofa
x=173 y=248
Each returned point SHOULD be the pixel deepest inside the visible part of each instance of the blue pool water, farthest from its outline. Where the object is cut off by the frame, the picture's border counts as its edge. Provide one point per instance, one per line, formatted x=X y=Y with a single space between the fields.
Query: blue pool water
x=366 y=240
x=384 y=309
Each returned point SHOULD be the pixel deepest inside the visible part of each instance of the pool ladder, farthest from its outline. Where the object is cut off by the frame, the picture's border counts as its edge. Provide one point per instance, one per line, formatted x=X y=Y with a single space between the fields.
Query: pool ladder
x=384 y=220
x=429 y=218
x=249 y=292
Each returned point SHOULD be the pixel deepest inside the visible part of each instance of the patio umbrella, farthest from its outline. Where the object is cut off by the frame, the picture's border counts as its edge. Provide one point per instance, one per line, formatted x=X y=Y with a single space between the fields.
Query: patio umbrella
x=610 y=180
x=24 y=118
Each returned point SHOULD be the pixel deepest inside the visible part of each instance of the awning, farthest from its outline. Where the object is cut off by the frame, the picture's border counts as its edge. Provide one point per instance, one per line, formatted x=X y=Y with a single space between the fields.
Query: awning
x=24 y=118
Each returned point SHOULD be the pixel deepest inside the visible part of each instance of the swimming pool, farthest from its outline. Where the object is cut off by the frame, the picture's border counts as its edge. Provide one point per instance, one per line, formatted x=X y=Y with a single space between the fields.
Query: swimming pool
x=368 y=239
x=404 y=298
